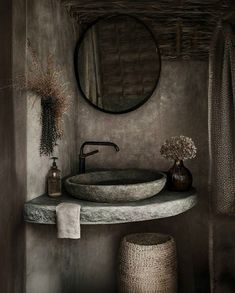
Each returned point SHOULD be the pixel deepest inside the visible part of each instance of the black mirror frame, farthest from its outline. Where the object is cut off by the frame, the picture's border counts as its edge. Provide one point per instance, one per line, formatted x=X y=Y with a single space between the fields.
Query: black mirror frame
x=77 y=71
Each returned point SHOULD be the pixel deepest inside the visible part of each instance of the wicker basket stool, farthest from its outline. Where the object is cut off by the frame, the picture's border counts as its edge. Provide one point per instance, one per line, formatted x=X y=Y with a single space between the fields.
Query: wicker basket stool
x=147 y=264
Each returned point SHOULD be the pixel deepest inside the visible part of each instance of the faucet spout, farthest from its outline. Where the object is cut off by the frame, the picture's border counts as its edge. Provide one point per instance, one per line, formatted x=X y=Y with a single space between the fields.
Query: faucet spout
x=83 y=155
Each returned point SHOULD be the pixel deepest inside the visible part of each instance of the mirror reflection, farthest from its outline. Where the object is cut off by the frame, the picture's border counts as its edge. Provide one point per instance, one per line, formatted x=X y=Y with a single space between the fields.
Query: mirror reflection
x=117 y=64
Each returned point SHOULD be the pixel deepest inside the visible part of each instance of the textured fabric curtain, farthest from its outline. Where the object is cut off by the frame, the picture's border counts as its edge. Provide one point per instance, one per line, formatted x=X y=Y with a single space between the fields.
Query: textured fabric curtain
x=91 y=68
x=222 y=120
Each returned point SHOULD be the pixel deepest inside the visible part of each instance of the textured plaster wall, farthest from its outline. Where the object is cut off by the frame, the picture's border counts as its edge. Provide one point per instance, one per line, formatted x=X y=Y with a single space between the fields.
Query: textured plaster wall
x=12 y=148
x=50 y=30
x=179 y=106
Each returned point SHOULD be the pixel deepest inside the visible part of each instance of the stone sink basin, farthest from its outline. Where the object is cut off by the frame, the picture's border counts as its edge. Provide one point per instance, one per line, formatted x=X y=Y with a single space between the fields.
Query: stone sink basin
x=116 y=185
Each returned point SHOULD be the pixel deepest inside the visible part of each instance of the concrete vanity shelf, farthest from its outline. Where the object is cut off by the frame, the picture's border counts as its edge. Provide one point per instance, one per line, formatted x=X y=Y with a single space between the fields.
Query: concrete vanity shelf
x=42 y=210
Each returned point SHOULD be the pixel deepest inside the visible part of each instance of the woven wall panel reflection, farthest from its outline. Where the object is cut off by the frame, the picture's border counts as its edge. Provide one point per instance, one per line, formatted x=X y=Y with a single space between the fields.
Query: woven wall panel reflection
x=124 y=62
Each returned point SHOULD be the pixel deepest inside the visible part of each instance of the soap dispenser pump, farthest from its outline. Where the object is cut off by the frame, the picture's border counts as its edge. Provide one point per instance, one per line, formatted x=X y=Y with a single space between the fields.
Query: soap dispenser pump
x=54 y=180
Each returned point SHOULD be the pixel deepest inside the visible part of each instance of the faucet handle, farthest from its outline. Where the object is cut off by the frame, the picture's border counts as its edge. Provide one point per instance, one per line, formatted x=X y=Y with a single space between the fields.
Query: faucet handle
x=90 y=153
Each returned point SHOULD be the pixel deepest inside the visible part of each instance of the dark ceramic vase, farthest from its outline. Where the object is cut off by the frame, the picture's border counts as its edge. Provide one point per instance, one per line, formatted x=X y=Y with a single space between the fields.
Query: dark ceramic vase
x=179 y=177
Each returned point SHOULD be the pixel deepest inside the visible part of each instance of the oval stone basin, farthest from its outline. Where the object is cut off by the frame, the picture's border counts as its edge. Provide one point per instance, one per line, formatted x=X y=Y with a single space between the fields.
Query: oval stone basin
x=116 y=185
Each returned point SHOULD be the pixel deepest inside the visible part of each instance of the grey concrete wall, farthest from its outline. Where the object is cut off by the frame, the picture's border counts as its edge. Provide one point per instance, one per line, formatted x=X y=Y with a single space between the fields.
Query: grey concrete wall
x=179 y=106
x=12 y=148
x=50 y=30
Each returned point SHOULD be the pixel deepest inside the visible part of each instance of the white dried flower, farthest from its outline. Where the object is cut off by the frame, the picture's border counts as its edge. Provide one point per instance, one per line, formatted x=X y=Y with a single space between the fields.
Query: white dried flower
x=179 y=148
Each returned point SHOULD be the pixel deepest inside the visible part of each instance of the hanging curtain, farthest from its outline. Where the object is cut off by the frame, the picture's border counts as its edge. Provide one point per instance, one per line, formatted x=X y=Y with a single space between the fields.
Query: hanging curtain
x=222 y=120
x=91 y=68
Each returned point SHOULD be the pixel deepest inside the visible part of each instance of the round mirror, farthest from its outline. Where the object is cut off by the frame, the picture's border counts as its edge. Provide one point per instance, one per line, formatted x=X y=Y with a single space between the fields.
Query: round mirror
x=117 y=64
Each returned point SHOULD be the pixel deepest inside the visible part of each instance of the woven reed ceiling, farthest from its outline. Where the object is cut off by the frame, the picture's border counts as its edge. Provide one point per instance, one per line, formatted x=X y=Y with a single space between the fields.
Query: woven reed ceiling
x=183 y=28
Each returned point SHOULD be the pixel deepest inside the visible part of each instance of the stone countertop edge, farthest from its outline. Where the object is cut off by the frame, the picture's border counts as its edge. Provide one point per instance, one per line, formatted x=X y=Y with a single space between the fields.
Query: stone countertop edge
x=42 y=209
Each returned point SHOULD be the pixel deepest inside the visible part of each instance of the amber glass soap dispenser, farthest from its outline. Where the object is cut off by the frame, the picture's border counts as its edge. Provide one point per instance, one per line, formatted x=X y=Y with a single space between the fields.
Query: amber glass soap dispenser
x=54 y=180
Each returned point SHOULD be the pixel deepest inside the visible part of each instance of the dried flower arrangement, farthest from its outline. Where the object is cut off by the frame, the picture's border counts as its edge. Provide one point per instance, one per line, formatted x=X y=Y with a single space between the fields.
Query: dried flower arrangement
x=49 y=86
x=179 y=148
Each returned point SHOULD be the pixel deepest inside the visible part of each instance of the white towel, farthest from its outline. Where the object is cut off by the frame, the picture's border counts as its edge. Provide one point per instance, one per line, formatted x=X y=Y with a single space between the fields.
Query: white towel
x=68 y=220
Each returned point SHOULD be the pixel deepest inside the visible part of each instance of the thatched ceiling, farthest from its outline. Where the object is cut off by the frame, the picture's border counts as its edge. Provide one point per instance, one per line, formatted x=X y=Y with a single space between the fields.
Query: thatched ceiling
x=183 y=27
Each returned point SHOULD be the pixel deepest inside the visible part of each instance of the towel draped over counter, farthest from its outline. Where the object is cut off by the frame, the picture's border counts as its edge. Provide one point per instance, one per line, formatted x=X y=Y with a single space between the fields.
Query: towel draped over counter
x=68 y=220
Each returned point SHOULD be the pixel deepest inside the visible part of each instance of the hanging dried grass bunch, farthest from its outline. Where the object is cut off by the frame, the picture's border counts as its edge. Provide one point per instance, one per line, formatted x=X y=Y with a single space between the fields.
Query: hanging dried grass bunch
x=49 y=86
x=179 y=148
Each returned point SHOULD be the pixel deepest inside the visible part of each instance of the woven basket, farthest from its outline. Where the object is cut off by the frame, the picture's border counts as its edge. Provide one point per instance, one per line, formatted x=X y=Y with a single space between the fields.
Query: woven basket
x=147 y=264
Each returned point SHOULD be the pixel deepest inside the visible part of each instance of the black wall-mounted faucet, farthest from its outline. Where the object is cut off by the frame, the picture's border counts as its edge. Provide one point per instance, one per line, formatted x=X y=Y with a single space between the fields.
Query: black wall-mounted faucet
x=82 y=156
